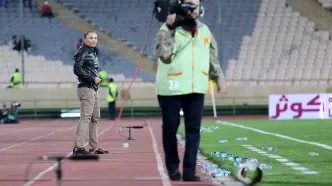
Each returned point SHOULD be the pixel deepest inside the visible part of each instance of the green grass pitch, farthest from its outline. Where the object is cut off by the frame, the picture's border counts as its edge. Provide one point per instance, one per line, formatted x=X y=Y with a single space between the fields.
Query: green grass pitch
x=291 y=163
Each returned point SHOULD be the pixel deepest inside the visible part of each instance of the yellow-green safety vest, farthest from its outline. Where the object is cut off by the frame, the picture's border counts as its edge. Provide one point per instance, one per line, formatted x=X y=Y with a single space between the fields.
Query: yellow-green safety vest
x=16 y=83
x=111 y=90
x=104 y=77
x=189 y=70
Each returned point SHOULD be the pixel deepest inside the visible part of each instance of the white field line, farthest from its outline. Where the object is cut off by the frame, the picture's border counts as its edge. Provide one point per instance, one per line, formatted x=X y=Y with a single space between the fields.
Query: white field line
x=282 y=160
x=275 y=134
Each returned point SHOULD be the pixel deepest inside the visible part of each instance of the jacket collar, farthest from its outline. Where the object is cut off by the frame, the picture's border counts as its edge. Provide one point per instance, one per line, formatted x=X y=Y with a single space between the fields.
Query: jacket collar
x=184 y=32
x=92 y=49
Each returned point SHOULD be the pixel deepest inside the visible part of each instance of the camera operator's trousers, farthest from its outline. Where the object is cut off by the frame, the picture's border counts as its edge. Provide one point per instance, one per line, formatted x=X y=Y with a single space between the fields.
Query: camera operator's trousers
x=193 y=107
x=89 y=117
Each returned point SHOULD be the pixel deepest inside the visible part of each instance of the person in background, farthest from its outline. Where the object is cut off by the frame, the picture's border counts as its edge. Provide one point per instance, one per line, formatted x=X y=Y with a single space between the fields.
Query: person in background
x=10 y=113
x=46 y=10
x=16 y=80
x=79 y=44
x=12 y=43
x=26 y=44
x=104 y=78
x=111 y=99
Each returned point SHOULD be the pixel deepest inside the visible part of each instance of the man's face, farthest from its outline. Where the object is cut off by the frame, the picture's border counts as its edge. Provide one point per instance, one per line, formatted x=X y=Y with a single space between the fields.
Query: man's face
x=91 y=39
x=195 y=13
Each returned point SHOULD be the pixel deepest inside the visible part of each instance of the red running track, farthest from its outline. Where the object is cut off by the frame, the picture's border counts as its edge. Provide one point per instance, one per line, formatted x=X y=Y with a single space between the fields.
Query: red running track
x=140 y=164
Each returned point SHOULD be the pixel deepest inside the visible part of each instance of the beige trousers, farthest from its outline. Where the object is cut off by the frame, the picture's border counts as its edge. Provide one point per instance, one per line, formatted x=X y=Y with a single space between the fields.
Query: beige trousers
x=89 y=117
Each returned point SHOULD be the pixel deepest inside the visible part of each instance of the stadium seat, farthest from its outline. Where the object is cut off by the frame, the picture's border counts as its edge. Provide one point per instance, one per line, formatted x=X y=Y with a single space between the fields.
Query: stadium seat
x=326 y=3
x=283 y=46
x=260 y=41
x=52 y=47
x=229 y=21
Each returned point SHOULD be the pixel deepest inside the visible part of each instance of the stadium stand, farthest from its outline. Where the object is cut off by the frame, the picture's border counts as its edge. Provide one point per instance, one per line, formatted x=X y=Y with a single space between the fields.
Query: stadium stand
x=267 y=45
x=52 y=46
x=283 y=48
x=235 y=19
x=261 y=41
x=326 y=3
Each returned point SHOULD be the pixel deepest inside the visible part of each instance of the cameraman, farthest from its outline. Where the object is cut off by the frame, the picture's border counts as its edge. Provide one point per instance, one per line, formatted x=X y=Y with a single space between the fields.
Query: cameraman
x=187 y=54
x=10 y=113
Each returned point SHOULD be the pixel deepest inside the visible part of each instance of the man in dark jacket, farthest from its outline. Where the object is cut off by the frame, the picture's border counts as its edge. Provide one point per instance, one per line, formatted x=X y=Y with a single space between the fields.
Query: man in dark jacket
x=86 y=69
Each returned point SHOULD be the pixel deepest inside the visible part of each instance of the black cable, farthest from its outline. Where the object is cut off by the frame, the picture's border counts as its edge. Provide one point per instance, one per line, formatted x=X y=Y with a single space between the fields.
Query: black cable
x=180 y=50
x=121 y=133
x=27 y=170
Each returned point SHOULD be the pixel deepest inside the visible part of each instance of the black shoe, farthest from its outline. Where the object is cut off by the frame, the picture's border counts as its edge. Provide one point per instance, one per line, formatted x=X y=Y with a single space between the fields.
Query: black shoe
x=79 y=151
x=98 y=151
x=191 y=178
x=175 y=175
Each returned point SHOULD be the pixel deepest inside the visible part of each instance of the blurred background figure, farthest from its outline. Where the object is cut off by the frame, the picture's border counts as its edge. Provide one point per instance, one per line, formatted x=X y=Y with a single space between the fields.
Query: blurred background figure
x=104 y=78
x=10 y=112
x=47 y=10
x=111 y=99
x=16 y=80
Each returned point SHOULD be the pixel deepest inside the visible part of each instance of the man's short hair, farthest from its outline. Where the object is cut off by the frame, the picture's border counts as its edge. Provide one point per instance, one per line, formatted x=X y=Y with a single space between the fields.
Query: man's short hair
x=87 y=32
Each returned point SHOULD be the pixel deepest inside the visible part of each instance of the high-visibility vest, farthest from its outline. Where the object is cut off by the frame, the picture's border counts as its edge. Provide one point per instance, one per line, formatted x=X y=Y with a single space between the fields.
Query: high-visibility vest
x=104 y=78
x=17 y=78
x=111 y=95
x=188 y=71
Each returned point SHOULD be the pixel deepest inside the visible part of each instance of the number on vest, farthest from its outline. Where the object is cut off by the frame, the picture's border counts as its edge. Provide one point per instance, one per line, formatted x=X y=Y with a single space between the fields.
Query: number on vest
x=173 y=84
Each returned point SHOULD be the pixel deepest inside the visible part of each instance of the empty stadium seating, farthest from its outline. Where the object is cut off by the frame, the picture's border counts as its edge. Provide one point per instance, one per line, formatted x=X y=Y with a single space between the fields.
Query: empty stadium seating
x=284 y=46
x=40 y=72
x=37 y=68
x=261 y=41
x=326 y=3
x=52 y=45
x=229 y=20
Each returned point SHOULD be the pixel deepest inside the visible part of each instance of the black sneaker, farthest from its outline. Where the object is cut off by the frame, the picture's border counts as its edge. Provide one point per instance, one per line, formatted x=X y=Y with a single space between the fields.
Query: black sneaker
x=191 y=178
x=174 y=175
x=98 y=151
x=79 y=151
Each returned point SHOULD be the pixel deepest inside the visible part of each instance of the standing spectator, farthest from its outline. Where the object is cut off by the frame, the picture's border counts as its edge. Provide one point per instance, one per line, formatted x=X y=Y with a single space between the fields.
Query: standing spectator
x=111 y=99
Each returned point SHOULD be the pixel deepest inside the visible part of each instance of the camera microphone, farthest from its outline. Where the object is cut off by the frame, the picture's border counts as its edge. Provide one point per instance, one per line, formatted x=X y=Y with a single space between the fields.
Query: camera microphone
x=72 y=157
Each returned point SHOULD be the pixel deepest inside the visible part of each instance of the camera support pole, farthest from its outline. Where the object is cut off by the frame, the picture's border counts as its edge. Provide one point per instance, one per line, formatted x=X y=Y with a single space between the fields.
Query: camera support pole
x=129 y=136
x=58 y=172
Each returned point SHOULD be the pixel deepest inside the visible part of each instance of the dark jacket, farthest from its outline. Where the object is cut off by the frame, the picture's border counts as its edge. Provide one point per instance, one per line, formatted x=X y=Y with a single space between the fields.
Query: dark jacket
x=86 y=66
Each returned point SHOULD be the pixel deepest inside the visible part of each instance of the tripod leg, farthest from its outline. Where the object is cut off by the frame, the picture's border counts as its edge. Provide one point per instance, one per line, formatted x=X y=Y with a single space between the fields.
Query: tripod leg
x=59 y=174
x=129 y=137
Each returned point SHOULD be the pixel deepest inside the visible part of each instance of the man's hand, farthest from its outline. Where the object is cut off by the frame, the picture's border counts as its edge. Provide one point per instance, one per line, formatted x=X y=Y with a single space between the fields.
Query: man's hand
x=221 y=89
x=173 y=21
x=97 y=80
x=170 y=19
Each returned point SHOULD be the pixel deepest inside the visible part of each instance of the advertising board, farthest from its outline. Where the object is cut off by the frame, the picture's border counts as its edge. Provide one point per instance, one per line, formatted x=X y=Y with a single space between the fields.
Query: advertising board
x=300 y=106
